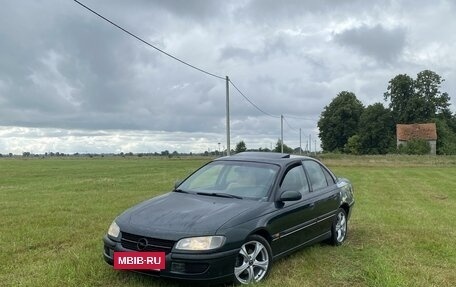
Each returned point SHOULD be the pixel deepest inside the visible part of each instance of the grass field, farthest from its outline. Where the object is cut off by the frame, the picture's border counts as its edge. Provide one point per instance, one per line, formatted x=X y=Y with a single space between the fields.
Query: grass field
x=54 y=212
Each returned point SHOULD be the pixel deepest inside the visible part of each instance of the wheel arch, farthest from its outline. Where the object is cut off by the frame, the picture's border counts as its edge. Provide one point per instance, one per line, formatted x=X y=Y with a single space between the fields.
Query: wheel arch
x=263 y=233
x=346 y=208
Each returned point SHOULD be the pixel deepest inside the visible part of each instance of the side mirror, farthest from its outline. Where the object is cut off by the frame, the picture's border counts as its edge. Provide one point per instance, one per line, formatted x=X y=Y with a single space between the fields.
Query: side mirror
x=177 y=183
x=290 y=195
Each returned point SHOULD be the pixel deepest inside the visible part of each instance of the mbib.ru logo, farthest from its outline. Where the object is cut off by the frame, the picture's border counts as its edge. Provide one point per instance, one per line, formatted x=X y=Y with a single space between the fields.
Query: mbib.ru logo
x=139 y=260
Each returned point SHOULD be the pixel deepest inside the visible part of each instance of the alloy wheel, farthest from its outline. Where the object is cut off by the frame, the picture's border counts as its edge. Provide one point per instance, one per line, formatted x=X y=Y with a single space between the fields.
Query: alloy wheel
x=341 y=226
x=252 y=262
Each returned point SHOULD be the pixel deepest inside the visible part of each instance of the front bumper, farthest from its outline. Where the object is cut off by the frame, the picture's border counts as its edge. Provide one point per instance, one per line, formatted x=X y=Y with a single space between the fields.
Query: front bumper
x=189 y=266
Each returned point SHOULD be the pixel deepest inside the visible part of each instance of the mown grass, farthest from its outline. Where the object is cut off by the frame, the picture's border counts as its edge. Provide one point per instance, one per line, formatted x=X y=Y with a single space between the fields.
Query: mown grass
x=54 y=212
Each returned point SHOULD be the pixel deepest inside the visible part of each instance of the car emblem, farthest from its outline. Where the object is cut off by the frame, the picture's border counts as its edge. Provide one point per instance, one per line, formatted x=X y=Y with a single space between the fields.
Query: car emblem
x=142 y=244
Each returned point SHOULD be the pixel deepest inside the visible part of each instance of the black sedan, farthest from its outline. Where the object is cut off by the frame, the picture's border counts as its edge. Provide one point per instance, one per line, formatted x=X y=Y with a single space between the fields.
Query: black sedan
x=234 y=216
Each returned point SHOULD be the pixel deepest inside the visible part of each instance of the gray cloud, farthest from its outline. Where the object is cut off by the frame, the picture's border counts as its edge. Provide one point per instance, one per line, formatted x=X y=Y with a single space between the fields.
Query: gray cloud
x=195 y=9
x=271 y=11
x=233 y=53
x=383 y=44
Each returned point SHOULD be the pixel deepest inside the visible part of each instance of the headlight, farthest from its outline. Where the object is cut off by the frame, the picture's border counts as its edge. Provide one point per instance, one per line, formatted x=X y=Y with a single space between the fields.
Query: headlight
x=200 y=243
x=114 y=229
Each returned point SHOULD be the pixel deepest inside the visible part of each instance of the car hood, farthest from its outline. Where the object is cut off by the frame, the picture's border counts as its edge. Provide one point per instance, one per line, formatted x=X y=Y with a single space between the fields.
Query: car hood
x=183 y=214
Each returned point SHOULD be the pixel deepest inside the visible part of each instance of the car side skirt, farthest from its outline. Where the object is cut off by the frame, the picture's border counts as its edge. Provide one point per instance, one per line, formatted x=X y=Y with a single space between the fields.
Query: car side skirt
x=319 y=238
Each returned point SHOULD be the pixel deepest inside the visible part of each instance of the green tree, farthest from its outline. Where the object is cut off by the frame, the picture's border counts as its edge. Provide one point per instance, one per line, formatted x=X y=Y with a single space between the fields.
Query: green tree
x=416 y=101
x=406 y=108
x=353 y=145
x=446 y=140
x=427 y=88
x=278 y=147
x=376 y=130
x=449 y=118
x=446 y=131
x=240 y=147
x=421 y=100
x=339 y=121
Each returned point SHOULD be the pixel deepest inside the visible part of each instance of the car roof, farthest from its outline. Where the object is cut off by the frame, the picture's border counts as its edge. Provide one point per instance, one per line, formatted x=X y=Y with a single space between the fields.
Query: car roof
x=265 y=157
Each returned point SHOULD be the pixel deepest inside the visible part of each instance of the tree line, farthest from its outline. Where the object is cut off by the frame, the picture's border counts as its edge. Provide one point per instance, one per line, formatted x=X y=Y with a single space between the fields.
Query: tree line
x=241 y=147
x=347 y=126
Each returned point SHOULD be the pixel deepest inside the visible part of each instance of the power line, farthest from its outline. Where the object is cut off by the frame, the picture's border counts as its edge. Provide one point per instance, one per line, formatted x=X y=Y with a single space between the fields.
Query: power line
x=182 y=61
x=253 y=104
x=300 y=118
x=190 y=65
x=147 y=43
x=288 y=124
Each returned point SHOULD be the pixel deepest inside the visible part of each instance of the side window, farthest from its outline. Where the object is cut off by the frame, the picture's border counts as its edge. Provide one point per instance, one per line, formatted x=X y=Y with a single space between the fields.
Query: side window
x=295 y=179
x=329 y=178
x=316 y=174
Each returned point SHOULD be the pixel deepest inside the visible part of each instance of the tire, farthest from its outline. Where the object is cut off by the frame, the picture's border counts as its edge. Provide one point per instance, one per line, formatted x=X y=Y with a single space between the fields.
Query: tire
x=253 y=262
x=339 y=228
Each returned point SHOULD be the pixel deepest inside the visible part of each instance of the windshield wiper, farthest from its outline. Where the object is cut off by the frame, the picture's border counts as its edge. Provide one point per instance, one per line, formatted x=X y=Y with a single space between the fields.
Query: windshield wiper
x=180 y=190
x=219 y=194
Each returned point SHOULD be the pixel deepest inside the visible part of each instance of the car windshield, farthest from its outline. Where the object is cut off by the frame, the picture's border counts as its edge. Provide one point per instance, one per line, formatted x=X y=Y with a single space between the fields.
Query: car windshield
x=232 y=178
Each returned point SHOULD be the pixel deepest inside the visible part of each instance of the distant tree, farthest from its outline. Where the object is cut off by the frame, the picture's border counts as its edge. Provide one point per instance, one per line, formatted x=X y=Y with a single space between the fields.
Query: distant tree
x=376 y=130
x=403 y=103
x=416 y=101
x=421 y=100
x=446 y=140
x=278 y=147
x=427 y=87
x=353 y=145
x=339 y=121
x=240 y=147
x=449 y=118
x=165 y=153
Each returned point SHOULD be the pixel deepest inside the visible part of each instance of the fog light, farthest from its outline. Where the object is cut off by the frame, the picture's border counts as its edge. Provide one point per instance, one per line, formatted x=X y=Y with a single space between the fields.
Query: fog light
x=178 y=267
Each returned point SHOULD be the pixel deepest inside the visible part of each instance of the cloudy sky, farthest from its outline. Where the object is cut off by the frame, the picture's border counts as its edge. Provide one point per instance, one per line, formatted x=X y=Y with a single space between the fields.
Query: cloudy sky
x=71 y=82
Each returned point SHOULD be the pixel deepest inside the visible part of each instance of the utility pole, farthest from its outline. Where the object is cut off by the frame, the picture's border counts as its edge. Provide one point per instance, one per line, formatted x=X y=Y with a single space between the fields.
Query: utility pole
x=310 y=144
x=228 y=149
x=300 y=149
x=281 y=131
